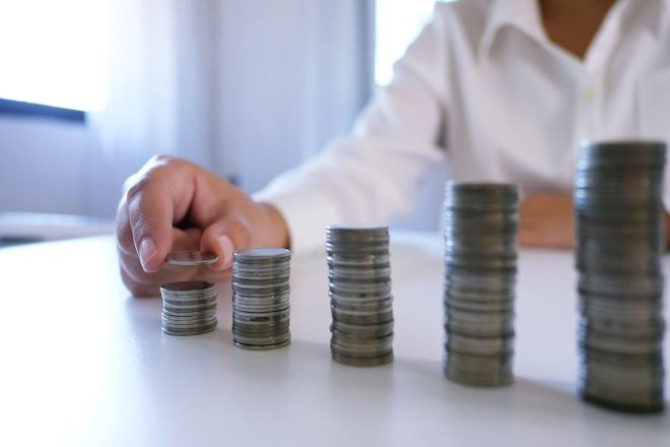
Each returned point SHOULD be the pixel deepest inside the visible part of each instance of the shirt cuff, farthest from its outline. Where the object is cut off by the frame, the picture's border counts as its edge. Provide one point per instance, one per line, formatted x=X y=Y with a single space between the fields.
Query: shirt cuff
x=307 y=215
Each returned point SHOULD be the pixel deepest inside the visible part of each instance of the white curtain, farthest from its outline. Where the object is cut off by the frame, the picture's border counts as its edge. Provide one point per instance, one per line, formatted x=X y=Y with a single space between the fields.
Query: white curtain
x=247 y=88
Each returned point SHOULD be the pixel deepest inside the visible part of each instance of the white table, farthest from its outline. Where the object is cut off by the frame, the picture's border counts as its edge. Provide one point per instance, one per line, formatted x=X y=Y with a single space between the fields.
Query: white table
x=85 y=364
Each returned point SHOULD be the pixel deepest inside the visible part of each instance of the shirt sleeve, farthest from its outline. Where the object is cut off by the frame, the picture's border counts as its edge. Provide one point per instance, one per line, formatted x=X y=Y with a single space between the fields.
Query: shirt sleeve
x=374 y=174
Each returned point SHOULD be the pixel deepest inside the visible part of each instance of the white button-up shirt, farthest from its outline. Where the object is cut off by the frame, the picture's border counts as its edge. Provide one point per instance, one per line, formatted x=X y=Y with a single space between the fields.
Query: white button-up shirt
x=483 y=89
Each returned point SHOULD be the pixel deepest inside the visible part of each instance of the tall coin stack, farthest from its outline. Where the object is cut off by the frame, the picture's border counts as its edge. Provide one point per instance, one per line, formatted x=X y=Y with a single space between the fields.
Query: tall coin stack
x=480 y=229
x=620 y=240
x=359 y=275
x=261 y=308
x=189 y=308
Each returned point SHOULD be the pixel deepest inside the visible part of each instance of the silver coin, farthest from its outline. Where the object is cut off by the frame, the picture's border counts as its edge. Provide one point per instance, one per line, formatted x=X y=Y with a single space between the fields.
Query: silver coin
x=184 y=310
x=262 y=343
x=354 y=262
x=477 y=345
x=374 y=330
x=621 y=345
x=359 y=274
x=365 y=307
x=261 y=347
x=362 y=289
x=188 y=287
x=191 y=258
x=344 y=233
x=482 y=380
x=477 y=196
x=480 y=329
x=194 y=331
x=188 y=327
x=654 y=327
x=190 y=302
x=364 y=361
x=479 y=307
x=242 y=326
x=261 y=254
x=245 y=329
x=274 y=309
x=470 y=260
x=620 y=285
x=260 y=273
x=480 y=244
x=191 y=319
x=483 y=285
x=362 y=349
x=478 y=370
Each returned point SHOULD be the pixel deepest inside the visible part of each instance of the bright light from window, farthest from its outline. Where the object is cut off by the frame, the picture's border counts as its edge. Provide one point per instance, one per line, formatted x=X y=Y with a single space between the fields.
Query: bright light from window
x=398 y=23
x=54 y=52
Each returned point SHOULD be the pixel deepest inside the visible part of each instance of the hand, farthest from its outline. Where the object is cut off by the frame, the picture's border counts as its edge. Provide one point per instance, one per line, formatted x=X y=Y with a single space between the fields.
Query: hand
x=547 y=221
x=172 y=204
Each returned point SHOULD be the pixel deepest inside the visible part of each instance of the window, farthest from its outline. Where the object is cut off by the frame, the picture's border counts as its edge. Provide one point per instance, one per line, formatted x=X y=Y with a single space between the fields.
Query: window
x=398 y=22
x=54 y=53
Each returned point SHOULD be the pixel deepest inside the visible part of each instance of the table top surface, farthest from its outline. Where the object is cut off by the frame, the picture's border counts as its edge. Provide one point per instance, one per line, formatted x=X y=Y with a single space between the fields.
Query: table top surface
x=84 y=363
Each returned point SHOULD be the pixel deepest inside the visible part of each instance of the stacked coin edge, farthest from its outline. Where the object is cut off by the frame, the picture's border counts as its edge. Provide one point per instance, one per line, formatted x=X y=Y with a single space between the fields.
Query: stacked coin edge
x=261 y=298
x=189 y=308
x=359 y=273
x=618 y=209
x=480 y=235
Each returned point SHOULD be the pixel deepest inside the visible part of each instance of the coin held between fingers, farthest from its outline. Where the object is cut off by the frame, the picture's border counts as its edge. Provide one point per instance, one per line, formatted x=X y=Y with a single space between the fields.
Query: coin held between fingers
x=191 y=258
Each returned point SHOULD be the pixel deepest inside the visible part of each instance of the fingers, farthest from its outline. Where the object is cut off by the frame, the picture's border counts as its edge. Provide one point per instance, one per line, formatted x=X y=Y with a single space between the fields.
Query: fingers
x=171 y=205
x=225 y=236
x=156 y=197
x=150 y=214
x=141 y=283
x=134 y=272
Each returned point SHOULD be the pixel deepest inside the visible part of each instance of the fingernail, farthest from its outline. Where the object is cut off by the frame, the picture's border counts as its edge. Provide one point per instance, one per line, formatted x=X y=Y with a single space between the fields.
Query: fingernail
x=147 y=252
x=227 y=249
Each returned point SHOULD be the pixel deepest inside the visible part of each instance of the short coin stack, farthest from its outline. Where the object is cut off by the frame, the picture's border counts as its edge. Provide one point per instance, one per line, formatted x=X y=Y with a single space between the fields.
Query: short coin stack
x=359 y=275
x=189 y=307
x=620 y=240
x=480 y=229
x=261 y=307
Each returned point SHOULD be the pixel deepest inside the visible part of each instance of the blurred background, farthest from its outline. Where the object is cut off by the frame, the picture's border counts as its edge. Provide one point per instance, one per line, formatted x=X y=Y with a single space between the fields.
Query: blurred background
x=90 y=89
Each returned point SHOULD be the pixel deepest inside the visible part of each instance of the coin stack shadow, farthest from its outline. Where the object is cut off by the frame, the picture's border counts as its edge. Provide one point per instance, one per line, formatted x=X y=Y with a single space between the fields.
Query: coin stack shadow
x=359 y=273
x=261 y=305
x=480 y=230
x=189 y=308
x=620 y=240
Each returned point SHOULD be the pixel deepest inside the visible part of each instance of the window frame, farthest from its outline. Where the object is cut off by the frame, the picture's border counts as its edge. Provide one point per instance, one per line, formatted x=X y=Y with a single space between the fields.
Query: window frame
x=21 y=109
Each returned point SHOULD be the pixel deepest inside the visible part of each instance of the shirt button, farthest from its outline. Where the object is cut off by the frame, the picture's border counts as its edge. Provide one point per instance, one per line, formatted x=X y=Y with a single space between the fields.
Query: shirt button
x=589 y=93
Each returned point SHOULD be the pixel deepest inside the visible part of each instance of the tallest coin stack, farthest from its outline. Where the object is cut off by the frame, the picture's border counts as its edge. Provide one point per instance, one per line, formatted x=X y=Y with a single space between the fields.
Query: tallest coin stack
x=620 y=239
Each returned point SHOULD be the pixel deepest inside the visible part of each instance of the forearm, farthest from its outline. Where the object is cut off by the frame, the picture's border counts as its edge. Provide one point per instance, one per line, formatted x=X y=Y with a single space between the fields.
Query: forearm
x=548 y=221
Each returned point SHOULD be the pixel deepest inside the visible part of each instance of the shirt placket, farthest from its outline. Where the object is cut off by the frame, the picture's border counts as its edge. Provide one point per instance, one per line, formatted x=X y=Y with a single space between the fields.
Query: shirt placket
x=592 y=82
x=588 y=97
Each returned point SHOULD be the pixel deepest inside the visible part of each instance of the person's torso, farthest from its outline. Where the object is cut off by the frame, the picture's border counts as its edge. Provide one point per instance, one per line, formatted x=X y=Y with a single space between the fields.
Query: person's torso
x=518 y=105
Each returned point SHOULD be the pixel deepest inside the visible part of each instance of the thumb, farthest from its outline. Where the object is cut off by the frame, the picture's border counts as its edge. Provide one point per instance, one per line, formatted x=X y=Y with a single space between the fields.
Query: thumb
x=223 y=237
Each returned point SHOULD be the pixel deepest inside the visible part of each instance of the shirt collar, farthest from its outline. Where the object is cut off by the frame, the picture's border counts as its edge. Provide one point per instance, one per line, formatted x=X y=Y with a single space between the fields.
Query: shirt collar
x=521 y=14
x=525 y=16
x=661 y=18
